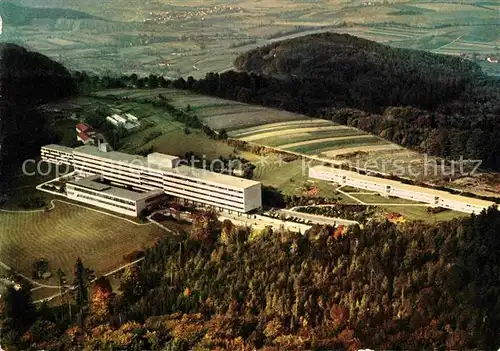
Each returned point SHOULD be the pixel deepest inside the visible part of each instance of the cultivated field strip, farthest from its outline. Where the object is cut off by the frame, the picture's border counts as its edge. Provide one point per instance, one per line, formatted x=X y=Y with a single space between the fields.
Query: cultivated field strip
x=199 y=102
x=322 y=140
x=239 y=133
x=228 y=110
x=283 y=140
x=292 y=131
x=442 y=7
x=325 y=146
x=353 y=149
x=241 y=120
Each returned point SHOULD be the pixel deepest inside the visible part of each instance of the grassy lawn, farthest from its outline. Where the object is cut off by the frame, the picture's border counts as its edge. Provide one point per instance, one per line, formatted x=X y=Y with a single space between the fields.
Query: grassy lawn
x=349 y=189
x=177 y=143
x=67 y=232
x=420 y=213
x=377 y=199
x=291 y=178
x=171 y=137
x=346 y=200
x=290 y=175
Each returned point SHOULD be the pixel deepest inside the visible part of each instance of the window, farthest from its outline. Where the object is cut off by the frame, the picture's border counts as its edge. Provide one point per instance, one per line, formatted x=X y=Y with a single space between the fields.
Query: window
x=210 y=191
x=214 y=203
x=191 y=191
x=104 y=196
x=104 y=202
x=186 y=179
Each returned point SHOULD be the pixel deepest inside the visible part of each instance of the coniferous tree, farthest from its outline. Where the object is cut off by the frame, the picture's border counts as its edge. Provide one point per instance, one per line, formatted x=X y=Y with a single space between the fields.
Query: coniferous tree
x=63 y=290
x=83 y=277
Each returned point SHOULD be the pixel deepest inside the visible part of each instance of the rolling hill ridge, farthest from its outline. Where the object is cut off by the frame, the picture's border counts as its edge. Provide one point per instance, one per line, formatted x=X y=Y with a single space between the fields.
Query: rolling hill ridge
x=27 y=79
x=420 y=100
x=19 y=15
x=364 y=73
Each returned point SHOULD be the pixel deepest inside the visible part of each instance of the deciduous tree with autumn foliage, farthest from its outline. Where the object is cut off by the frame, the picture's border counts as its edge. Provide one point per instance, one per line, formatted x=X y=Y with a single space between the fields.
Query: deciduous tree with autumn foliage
x=386 y=286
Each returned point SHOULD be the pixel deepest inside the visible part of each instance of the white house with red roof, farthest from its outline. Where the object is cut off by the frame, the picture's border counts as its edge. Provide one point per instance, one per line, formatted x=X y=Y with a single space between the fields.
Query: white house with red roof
x=83 y=128
x=85 y=138
x=85 y=133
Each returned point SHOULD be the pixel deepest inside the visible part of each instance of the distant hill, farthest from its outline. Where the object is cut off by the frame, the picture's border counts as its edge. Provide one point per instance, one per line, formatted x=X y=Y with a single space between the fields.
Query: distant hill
x=30 y=77
x=424 y=101
x=19 y=15
x=361 y=73
x=27 y=79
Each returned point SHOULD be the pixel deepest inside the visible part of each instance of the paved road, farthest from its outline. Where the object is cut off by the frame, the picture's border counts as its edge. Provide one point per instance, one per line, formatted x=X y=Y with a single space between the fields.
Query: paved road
x=261 y=222
x=318 y=219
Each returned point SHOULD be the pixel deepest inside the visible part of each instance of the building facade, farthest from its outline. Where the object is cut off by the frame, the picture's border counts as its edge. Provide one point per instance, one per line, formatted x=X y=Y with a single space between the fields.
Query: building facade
x=160 y=171
x=57 y=154
x=85 y=138
x=90 y=191
x=387 y=187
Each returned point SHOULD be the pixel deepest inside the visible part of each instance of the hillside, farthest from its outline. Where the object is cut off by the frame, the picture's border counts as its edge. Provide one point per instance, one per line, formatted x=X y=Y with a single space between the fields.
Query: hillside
x=220 y=287
x=366 y=74
x=27 y=79
x=423 y=101
x=19 y=15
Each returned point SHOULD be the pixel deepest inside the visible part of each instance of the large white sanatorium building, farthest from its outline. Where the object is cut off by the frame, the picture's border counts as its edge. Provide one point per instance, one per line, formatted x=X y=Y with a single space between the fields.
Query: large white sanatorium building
x=156 y=172
x=387 y=187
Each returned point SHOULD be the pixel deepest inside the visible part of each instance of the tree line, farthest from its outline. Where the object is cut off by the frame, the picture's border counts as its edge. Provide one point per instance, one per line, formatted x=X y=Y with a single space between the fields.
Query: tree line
x=387 y=286
x=450 y=125
x=438 y=104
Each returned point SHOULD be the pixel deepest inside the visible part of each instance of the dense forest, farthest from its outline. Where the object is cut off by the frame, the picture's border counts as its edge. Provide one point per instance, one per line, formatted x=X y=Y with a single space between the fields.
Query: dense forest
x=437 y=104
x=361 y=73
x=412 y=286
x=27 y=79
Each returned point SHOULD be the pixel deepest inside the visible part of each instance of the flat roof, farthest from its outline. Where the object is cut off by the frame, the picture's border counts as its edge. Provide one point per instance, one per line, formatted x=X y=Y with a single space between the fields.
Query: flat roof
x=158 y=155
x=409 y=187
x=210 y=177
x=57 y=147
x=214 y=178
x=111 y=155
x=91 y=183
x=184 y=170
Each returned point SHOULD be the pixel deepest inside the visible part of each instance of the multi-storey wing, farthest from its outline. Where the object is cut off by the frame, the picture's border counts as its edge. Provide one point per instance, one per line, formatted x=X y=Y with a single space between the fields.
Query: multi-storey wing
x=387 y=187
x=160 y=171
